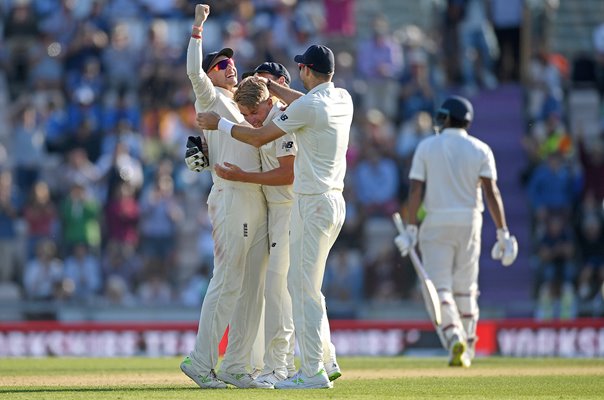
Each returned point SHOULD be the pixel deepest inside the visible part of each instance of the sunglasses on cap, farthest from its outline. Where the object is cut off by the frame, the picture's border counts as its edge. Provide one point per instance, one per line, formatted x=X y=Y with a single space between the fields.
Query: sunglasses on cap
x=222 y=65
x=304 y=65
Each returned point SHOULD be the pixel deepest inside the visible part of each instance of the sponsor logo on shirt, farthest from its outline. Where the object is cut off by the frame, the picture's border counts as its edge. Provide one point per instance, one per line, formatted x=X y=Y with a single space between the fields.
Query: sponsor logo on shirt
x=287 y=145
x=283 y=117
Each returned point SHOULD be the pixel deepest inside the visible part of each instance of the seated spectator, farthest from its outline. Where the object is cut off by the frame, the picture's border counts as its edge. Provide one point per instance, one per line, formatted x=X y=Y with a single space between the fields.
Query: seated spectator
x=120 y=260
x=551 y=188
x=591 y=258
x=117 y=292
x=83 y=271
x=154 y=290
x=377 y=183
x=43 y=273
x=591 y=157
x=195 y=288
x=416 y=92
x=122 y=216
x=557 y=270
x=10 y=206
x=343 y=281
x=413 y=132
x=41 y=216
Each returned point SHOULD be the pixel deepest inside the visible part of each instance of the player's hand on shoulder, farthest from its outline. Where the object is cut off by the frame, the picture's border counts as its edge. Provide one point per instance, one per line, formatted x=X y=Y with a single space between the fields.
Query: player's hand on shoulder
x=506 y=247
x=406 y=240
x=201 y=13
x=195 y=157
x=208 y=120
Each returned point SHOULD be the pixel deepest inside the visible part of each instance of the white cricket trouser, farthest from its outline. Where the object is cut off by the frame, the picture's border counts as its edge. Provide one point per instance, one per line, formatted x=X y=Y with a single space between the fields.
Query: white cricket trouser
x=450 y=255
x=274 y=346
x=235 y=293
x=316 y=221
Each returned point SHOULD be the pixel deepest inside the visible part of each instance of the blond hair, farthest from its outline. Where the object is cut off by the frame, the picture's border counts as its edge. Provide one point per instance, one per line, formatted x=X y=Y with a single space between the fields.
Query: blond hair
x=251 y=92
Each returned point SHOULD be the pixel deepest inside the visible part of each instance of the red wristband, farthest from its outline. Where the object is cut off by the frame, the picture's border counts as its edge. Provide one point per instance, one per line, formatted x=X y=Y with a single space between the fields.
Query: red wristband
x=199 y=28
x=196 y=36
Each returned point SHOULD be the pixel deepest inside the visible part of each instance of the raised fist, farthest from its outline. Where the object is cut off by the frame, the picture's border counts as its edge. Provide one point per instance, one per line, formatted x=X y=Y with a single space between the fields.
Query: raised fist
x=201 y=13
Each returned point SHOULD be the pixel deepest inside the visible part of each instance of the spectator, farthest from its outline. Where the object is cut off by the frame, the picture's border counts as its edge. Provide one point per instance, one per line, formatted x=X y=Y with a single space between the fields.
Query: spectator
x=343 y=282
x=555 y=251
x=506 y=16
x=416 y=93
x=10 y=205
x=41 y=217
x=120 y=261
x=551 y=188
x=154 y=291
x=122 y=216
x=120 y=58
x=591 y=156
x=591 y=259
x=28 y=151
x=160 y=215
x=194 y=290
x=80 y=219
x=380 y=63
x=83 y=272
x=476 y=37
x=376 y=184
x=43 y=273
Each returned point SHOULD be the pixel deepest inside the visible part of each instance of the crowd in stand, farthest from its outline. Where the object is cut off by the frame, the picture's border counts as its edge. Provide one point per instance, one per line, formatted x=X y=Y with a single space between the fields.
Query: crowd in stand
x=97 y=206
x=565 y=181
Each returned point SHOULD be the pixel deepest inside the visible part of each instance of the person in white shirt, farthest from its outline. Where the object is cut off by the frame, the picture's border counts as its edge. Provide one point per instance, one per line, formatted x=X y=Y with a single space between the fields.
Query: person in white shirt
x=238 y=214
x=320 y=121
x=448 y=171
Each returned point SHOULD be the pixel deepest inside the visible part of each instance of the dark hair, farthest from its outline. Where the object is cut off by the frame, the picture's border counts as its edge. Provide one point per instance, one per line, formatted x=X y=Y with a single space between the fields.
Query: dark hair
x=458 y=123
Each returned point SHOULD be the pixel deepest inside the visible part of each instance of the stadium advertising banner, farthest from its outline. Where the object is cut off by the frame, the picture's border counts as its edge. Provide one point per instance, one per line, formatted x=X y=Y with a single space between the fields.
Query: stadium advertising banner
x=513 y=338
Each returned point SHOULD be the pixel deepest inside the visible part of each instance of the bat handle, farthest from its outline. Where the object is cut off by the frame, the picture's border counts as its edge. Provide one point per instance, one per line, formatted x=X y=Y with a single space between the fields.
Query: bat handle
x=398 y=222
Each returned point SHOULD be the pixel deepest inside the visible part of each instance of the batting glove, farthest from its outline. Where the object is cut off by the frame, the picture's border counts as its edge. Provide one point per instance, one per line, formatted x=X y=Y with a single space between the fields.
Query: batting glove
x=406 y=240
x=506 y=248
x=195 y=158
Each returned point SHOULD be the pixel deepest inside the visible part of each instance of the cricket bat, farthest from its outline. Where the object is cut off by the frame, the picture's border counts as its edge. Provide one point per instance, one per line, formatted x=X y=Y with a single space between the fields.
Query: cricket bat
x=428 y=290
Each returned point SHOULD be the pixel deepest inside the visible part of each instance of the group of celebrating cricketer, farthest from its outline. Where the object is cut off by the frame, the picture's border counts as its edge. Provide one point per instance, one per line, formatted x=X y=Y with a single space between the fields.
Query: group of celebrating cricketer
x=278 y=161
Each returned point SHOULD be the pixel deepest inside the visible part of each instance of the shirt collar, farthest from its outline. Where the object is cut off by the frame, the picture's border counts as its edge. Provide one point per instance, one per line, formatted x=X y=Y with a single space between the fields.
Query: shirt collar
x=277 y=106
x=455 y=131
x=322 y=86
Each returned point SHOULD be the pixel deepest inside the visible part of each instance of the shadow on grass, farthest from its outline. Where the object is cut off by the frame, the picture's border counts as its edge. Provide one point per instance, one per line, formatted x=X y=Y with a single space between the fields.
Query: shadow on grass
x=94 y=389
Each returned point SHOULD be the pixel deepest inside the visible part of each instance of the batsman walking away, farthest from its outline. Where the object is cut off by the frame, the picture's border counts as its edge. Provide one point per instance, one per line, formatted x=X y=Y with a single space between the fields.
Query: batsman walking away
x=450 y=172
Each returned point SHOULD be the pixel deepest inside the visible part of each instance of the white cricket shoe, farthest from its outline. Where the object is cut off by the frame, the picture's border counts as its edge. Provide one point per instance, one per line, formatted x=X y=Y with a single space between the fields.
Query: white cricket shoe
x=457 y=354
x=242 y=380
x=300 y=381
x=204 y=381
x=266 y=381
x=256 y=373
x=333 y=371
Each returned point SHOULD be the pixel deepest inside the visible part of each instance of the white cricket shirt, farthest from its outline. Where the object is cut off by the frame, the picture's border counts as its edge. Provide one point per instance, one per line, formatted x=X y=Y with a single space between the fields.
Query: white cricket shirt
x=451 y=165
x=320 y=121
x=221 y=148
x=269 y=155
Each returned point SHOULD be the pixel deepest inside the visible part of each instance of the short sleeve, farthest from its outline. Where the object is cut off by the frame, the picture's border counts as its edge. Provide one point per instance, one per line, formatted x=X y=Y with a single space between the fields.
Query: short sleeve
x=418 y=165
x=488 y=169
x=296 y=116
x=286 y=145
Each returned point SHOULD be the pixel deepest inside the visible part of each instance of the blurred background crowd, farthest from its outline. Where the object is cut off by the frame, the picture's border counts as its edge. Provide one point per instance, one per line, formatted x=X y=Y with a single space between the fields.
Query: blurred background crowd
x=97 y=208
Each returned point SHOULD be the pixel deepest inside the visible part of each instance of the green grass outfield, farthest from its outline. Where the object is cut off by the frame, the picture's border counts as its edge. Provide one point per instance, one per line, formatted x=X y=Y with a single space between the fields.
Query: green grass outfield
x=363 y=378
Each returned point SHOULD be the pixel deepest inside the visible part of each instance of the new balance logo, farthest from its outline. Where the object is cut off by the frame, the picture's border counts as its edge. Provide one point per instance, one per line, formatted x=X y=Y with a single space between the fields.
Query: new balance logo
x=273 y=244
x=283 y=117
x=287 y=145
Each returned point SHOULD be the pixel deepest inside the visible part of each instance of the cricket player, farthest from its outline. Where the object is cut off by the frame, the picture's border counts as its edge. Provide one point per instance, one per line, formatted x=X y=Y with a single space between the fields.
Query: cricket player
x=275 y=342
x=238 y=214
x=321 y=122
x=448 y=171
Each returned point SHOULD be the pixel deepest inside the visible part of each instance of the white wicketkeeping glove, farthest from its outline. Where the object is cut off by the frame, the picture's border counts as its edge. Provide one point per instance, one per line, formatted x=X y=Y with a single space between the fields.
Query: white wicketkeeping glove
x=406 y=240
x=195 y=158
x=506 y=248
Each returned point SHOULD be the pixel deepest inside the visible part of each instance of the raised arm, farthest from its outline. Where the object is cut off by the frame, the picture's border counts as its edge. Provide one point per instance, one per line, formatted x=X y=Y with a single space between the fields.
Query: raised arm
x=202 y=85
x=283 y=92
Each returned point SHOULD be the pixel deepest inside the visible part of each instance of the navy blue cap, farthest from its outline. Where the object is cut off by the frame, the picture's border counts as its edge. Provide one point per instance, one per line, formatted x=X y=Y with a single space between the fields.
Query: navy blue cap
x=457 y=107
x=210 y=58
x=275 y=69
x=318 y=58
